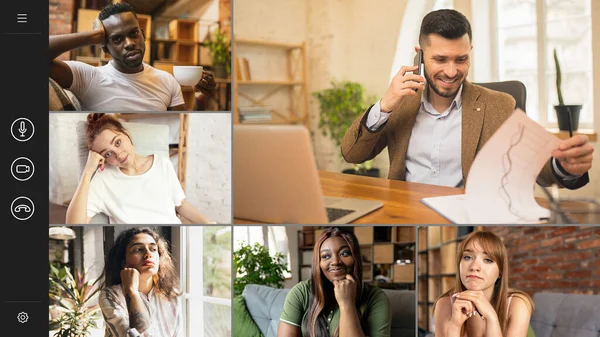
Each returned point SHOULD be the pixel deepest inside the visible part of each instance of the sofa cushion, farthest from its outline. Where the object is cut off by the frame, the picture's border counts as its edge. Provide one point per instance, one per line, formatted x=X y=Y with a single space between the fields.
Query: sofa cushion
x=60 y=99
x=566 y=315
x=403 y=304
x=265 y=305
x=244 y=325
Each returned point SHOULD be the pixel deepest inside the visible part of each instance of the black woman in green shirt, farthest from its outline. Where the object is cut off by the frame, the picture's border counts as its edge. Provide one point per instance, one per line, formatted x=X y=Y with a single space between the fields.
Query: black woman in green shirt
x=335 y=301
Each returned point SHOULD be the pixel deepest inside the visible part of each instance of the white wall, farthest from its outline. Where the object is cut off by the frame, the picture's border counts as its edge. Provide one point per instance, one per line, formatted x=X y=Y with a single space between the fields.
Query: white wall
x=62 y=157
x=208 y=175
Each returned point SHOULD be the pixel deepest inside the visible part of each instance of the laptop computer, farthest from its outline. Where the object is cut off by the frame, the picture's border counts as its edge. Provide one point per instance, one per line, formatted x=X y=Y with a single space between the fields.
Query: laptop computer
x=276 y=180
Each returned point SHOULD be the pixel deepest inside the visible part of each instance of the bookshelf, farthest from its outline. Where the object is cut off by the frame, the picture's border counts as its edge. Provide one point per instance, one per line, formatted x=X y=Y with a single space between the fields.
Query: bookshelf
x=252 y=91
x=436 y=266
x=384 y=249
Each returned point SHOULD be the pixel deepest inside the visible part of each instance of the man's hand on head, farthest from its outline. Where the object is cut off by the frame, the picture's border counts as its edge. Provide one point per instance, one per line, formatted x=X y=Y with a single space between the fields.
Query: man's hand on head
x=97 y=25
x=575 y=155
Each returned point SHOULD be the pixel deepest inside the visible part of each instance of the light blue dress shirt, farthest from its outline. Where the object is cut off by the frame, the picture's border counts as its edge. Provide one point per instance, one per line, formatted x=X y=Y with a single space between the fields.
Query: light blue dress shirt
x=434 y=150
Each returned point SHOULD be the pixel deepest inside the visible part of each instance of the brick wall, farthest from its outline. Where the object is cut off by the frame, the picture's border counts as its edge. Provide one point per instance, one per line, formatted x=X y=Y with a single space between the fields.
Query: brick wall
x=61 y=19
x=553 y=259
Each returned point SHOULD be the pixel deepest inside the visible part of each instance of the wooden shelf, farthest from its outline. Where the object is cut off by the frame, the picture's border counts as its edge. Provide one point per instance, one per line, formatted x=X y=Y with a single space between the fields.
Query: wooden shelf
x=270 y=92
x=240 y=82
x=269 y=43
x=591 y=134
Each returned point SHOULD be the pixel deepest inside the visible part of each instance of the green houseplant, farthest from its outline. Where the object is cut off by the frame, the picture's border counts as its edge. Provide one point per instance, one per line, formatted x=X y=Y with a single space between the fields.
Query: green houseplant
x=74 y=301
x=254 y=265
x=219 y=47
x=340 y=105
x=566 y=115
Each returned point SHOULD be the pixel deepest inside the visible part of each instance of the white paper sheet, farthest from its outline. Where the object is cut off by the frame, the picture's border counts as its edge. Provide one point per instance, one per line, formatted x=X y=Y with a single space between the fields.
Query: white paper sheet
x=500 y=185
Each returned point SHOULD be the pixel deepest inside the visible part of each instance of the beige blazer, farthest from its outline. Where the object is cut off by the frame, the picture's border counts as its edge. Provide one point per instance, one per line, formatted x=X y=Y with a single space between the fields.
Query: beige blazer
x=483 y=111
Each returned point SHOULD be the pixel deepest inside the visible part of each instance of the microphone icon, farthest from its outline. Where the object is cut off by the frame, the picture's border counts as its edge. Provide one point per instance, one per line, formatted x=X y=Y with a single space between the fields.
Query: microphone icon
x=22 y=128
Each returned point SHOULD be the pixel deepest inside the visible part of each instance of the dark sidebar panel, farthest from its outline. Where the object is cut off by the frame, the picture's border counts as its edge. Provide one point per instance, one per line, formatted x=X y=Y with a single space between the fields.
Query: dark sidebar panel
x=25 y=167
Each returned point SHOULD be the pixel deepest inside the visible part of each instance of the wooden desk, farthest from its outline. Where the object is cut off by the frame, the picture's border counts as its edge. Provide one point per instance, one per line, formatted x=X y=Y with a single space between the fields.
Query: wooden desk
x=401 y=200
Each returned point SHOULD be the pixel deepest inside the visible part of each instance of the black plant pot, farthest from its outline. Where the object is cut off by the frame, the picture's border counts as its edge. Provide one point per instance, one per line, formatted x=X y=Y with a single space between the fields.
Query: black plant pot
x=562 y=116
x=374 y=172
x=220 y=71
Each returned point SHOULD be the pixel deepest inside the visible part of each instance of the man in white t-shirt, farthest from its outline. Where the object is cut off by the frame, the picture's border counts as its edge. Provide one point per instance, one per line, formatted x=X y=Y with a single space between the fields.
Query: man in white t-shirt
x=126 y=83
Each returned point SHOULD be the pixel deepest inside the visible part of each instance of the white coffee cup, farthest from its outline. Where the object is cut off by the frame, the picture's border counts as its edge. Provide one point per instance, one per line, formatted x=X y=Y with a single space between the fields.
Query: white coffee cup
x=187 y=75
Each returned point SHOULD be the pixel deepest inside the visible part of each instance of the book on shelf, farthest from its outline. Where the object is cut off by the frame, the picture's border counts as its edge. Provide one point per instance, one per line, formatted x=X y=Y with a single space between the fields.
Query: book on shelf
x=255 y=113
x=255 y=119
x=242 y=69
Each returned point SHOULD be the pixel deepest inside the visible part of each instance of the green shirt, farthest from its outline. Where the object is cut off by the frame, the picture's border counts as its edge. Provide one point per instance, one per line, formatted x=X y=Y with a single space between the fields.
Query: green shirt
x=374 y=308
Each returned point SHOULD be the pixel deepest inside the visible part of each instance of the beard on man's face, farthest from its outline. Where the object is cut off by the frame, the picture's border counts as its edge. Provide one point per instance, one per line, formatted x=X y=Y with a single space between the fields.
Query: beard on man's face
x=443 y=93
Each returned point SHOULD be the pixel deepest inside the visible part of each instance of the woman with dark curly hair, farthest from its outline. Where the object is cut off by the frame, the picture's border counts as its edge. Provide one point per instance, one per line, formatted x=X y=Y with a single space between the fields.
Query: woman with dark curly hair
x=481 y=303
x=139 y=296
x=129 y=188
x=335 y=301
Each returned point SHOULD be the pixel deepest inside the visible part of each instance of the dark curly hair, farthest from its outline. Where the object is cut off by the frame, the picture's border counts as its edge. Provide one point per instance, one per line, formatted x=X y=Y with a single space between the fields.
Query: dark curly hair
x=116 y=8
x=166 y=281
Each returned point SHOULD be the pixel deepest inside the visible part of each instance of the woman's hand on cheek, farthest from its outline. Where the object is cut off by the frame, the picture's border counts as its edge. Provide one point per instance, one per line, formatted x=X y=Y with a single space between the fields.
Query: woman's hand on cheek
x=345 y=291
x=94 y=161
x=130 y=278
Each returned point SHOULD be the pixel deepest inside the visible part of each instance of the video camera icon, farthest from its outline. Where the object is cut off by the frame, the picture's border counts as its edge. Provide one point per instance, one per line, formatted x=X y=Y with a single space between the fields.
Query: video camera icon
x=22 y=208
x=22 y=169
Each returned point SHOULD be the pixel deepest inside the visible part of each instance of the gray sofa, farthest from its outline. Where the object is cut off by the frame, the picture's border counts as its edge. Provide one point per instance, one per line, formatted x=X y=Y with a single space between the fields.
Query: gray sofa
x=266 y=303
x=566 y=315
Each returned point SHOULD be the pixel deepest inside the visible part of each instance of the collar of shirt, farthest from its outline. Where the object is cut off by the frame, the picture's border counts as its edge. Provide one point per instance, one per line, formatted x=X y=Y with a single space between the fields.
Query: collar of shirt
x=428 y=108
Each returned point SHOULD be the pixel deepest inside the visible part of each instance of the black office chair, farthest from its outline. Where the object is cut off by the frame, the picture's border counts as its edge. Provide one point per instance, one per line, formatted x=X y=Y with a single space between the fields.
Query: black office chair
x=514 y=88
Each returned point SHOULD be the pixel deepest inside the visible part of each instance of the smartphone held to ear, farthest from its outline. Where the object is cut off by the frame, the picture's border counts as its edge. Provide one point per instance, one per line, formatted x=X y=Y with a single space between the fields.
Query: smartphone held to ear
x=419 y=62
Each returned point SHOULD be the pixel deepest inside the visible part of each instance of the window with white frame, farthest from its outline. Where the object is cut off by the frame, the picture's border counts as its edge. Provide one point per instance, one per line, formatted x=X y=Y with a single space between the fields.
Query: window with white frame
x=528 y=33
x=206 y=280
x=410 y=28
x=273 y=237
x=441 y=4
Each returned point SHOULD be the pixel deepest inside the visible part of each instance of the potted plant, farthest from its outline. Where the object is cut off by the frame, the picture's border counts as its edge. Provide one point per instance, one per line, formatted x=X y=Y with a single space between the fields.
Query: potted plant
x=340 y=106
x=74 y=302
x=254 y=265
x=566 y=115
x=219 y=47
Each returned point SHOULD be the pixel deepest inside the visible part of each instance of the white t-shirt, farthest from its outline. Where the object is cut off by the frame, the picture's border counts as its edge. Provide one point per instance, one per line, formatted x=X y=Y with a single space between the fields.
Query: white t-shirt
x=149 y=198
x=107 y=89
x=166 y=319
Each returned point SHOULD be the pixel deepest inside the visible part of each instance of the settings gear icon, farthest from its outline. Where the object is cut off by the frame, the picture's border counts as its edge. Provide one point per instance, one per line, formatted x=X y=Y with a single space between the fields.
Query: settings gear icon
x=22 y=317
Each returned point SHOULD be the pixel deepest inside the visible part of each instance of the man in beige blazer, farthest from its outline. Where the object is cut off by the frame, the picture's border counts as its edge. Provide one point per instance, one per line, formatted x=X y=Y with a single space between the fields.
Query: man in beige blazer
x=434 y=125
